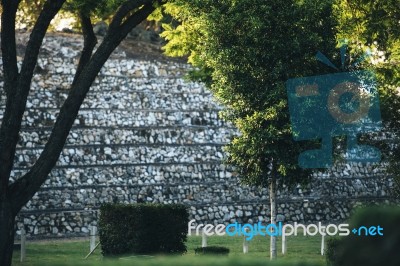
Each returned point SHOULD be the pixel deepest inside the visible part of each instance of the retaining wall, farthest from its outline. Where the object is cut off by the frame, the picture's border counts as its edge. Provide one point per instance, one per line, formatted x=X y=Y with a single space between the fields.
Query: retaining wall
x=144 y=133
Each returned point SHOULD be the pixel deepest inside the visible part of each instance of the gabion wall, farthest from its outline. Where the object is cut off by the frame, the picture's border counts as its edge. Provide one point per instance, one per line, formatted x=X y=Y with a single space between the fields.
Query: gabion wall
x=145 y=134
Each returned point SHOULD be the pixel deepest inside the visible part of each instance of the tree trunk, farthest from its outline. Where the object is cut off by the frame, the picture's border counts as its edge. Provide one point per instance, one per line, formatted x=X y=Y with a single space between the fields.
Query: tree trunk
x=272 y=198
x=17 y=85
x=7 y=220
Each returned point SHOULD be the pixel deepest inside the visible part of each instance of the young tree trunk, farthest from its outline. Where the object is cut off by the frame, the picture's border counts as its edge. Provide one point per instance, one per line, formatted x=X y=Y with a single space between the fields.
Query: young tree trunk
x=7 y=220
x=272 y=198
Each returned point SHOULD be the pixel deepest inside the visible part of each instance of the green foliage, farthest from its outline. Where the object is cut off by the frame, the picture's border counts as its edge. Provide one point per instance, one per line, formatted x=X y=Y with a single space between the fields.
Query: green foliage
x=143 y=228
x=370 y=21
x=29 y=10
x=212 y=250
x=245 y=51
x=249 y=49
x=374 y=25
x=369 y=250
x=102 y=9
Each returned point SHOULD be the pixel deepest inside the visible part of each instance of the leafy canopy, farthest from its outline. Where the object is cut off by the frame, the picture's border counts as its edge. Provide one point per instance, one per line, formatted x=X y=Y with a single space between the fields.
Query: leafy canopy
x=375 y=25
x=29 y=10
x=246 y=50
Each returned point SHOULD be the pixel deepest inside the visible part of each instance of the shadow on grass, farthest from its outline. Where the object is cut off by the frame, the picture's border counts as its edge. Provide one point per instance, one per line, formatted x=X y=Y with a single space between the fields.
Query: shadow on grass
x=183 y=261
x=302 y=251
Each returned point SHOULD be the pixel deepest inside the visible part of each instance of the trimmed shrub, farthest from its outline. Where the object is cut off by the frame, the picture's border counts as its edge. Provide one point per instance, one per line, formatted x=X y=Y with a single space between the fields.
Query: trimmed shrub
x=368 y=250
x=143 y=228
x=212 y=250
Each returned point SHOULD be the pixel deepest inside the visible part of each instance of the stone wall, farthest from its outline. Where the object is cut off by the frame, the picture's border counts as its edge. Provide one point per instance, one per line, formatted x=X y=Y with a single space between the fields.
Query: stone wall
x=144 y=133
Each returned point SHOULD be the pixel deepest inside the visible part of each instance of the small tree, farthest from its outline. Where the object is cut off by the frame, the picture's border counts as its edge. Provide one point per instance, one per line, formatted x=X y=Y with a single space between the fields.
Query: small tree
x=246 y=51
x=17 y=84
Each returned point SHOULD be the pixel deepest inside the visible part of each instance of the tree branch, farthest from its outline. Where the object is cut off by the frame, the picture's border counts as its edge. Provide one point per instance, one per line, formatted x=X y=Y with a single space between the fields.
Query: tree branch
x=8 y=43
x=25 y=187
x=90 y=42
x=18 y=86
x=9 y=58
x=50 y=9
x=124 y=10
x=132 y=21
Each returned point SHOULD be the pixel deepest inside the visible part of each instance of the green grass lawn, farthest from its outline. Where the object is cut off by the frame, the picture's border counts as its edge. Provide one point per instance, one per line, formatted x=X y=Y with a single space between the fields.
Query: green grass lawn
x=301 y=250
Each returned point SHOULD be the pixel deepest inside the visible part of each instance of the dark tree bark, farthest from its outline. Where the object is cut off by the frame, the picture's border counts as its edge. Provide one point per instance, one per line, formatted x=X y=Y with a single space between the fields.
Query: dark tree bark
x=17 y=86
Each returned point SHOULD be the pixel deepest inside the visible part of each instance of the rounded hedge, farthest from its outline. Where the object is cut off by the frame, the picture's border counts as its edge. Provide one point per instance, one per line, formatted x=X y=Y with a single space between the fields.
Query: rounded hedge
x=368 y=250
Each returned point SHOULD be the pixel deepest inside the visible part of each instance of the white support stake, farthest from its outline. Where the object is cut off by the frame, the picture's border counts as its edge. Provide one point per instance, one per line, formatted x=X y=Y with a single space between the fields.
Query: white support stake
x=245 y=244
x=323 y=245
x=284 y=244
x=93 y=230
x=23 y=247
x=203 y=240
